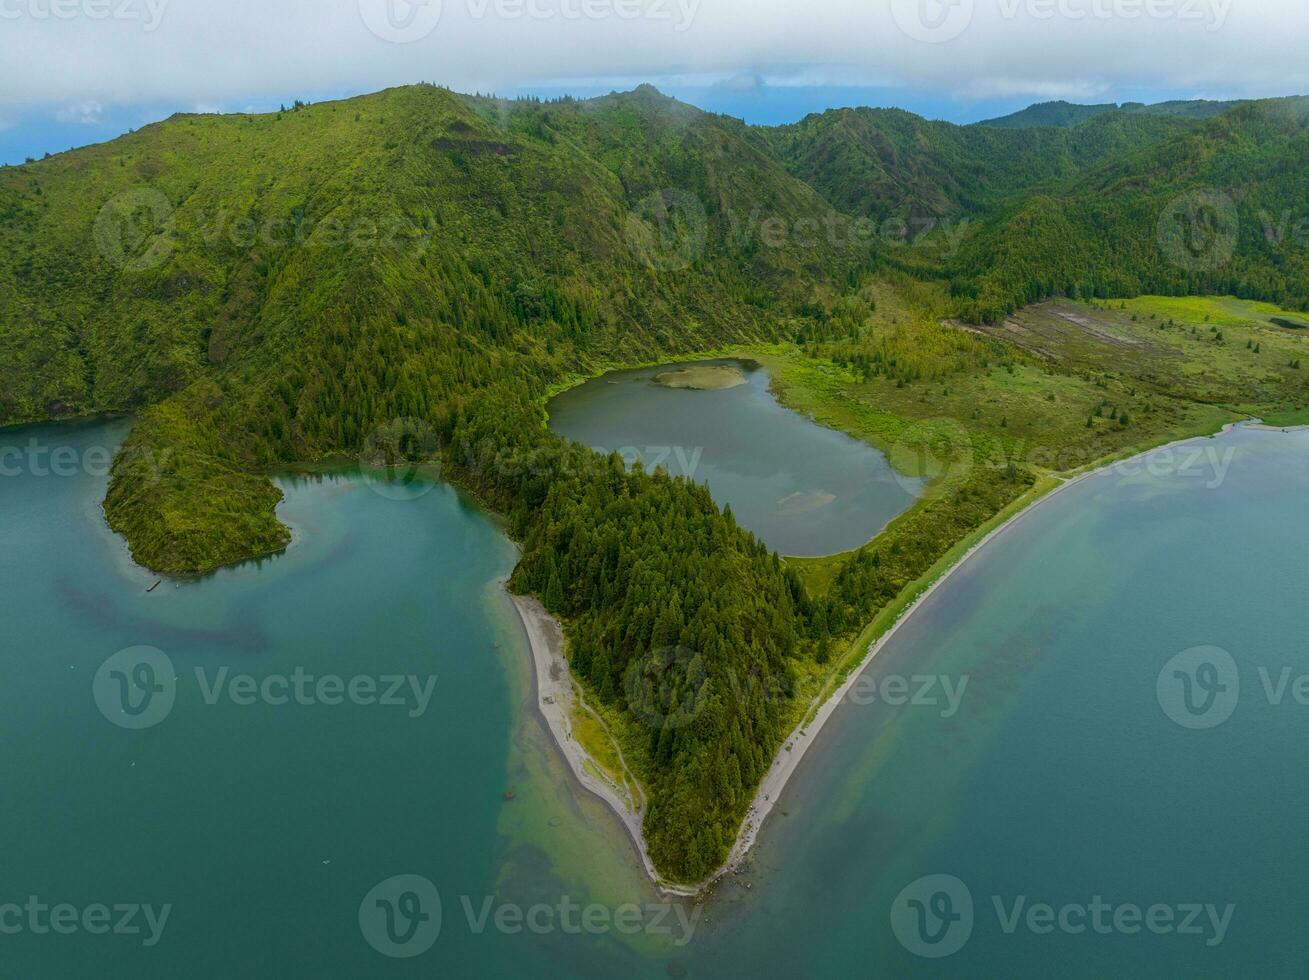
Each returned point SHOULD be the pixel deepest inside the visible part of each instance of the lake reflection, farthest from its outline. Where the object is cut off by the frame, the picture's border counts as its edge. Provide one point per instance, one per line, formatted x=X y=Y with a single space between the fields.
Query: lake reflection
x=804 y=489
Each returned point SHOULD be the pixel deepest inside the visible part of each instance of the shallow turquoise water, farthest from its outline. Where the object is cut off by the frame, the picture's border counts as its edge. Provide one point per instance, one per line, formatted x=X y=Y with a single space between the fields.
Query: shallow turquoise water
x=1060 y=778
x=264 y=825
x=802 y=488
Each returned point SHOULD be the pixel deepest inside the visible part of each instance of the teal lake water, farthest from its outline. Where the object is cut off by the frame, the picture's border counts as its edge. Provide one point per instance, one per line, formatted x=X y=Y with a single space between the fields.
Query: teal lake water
x=1063 y=778
x=265 y=825
x=804 y=489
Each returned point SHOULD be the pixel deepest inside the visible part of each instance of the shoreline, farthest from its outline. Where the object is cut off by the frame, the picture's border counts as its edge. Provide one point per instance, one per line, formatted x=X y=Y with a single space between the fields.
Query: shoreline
x=553 y=693
x=540 y=626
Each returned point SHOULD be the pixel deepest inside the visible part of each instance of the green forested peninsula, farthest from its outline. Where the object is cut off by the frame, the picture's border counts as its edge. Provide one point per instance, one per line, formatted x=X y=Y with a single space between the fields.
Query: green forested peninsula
x=409 y=274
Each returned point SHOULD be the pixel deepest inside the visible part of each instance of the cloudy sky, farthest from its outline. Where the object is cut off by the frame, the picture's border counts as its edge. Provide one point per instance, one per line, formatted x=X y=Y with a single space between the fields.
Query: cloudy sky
x=77 y=71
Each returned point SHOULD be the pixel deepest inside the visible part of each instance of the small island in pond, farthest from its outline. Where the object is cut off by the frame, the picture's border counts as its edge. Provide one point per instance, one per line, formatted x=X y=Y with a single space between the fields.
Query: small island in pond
x=702 y=377
x=804 y=502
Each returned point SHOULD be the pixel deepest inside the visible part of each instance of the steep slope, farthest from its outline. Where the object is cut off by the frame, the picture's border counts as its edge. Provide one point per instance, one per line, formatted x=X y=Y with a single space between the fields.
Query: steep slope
x=1151 y=198
x=188 y=246
x=1215 y=210
x=885 y=163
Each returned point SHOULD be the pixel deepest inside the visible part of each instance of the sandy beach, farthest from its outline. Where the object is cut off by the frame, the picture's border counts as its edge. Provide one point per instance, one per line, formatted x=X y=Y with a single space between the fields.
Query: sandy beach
x=555 y=698
x=546 y=640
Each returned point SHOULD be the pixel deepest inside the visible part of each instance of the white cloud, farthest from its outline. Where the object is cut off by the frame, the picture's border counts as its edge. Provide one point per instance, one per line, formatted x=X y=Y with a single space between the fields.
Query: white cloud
x=1046 y=89
x=88 y=113
x=231 y=52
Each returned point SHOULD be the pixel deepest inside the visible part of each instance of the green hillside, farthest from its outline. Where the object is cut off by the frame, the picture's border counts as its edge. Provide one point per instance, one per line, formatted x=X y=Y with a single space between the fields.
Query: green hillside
x=1118 y=204
x=406 y=276
x=1217 y=209
x=886 y=163
x=1063 y=114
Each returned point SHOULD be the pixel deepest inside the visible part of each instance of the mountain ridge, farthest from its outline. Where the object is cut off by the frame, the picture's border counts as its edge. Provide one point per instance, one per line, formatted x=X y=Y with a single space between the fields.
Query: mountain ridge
x=1060 y=113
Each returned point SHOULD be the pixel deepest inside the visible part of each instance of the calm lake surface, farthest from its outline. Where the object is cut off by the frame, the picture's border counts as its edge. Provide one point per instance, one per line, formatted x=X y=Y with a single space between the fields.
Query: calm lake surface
x=1063 y=777
x=265 y=825
x=804 y=489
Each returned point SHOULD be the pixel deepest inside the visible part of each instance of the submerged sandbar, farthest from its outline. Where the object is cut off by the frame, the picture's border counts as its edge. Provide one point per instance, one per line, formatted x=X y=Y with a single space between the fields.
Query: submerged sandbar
x=702 y=377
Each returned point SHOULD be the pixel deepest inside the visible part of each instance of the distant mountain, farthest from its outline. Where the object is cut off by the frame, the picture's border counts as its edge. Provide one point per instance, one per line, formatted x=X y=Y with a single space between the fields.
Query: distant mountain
x=884 y=163
x=1064 y=114
x=1077 y=209
x=1217 y=208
